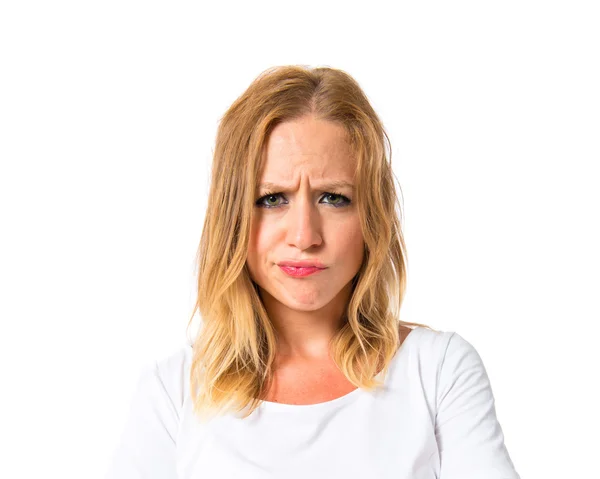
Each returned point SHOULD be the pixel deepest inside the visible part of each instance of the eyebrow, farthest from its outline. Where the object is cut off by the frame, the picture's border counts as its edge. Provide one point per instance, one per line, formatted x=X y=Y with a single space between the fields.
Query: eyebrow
x=330 y=185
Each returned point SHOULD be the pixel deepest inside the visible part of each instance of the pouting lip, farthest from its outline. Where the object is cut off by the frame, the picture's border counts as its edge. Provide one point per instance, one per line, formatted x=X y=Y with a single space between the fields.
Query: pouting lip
x=303 y=264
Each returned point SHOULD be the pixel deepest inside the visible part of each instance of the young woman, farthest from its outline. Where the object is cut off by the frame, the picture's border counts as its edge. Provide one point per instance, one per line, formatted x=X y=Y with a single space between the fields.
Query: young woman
x=301 y=367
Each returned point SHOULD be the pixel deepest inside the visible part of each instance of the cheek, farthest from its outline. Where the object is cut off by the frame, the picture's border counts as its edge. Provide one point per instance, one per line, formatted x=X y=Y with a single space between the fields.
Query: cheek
x=257 y=236
x=345 y=237
x=260 y=241
x=350 y=240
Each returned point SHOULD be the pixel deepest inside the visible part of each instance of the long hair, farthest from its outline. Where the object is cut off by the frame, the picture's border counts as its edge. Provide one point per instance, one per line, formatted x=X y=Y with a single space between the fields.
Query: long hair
x=234 y=350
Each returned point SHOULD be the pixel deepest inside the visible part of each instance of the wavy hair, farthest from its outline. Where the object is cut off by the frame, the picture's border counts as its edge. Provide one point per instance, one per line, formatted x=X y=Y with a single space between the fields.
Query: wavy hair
x=235 y=348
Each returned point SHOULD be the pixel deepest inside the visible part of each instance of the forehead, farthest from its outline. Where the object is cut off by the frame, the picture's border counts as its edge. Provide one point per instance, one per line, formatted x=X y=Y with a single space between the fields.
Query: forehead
x=308 y=145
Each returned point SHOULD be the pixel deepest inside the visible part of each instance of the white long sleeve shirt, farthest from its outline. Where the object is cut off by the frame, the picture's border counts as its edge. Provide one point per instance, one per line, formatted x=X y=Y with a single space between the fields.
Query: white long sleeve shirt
x=435 y=418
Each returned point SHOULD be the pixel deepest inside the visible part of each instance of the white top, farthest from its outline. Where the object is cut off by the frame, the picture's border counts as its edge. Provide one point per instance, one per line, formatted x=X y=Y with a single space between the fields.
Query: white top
x=435 y=418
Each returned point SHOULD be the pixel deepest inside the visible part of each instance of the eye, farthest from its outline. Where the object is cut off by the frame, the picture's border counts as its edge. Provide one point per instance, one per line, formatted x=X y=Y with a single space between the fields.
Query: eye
x=335 y=199
x=341 y=199
x=268 y=196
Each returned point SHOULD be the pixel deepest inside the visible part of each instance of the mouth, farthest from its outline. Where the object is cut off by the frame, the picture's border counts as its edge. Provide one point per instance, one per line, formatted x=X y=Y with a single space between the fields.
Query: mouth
x=312 y=263
x=300 y=271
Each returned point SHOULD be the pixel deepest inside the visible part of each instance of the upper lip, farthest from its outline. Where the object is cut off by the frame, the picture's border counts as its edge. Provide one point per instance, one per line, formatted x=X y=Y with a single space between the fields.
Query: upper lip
x=303 y=264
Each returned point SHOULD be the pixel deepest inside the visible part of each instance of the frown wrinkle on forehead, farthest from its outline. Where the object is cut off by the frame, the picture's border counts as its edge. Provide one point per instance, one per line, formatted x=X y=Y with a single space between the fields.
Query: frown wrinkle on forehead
x=328 y=185
x=311 y=151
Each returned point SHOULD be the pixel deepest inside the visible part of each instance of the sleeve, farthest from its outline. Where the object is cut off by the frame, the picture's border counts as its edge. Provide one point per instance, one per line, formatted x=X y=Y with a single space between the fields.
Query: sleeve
x=146 y=449
x=469 y=436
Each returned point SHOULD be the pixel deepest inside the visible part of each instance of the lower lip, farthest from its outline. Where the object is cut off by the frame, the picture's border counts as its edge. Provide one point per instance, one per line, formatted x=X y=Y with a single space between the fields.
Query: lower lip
x=299 y=272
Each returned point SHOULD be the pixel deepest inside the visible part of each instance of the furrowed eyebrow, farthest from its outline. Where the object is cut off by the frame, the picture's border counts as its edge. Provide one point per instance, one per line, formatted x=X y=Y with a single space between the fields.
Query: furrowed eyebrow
x=330 y=185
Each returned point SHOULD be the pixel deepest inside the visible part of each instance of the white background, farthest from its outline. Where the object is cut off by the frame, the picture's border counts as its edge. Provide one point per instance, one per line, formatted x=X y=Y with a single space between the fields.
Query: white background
x=108 y=112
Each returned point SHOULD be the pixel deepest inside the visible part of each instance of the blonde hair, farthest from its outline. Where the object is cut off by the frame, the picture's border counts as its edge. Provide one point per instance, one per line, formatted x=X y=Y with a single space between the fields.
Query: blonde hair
x=234 y=350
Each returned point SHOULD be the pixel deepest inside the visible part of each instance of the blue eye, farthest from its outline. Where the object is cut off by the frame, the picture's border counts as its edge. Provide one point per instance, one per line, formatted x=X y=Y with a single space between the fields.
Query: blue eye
x=339 y=200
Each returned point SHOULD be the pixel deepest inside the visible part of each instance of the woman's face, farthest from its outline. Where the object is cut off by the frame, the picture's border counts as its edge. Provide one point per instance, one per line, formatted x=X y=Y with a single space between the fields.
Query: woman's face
x=302 y=218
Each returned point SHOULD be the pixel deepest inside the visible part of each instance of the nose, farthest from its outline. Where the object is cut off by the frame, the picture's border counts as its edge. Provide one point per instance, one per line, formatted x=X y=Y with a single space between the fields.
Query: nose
x=303 y=224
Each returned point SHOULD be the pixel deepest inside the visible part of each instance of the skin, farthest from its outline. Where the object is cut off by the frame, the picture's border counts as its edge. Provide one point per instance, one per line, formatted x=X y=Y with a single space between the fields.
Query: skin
x=306 y=222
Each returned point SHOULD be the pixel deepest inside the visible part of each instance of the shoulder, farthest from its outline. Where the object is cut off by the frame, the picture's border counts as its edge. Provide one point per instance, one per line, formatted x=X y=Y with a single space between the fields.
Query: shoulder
x=450 y=361
x=439 y=348
x=427 y=340
x=172 y=372
x=148 y=441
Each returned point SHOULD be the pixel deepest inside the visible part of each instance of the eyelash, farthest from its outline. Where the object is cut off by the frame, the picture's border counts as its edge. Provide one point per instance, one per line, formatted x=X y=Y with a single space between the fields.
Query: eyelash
x=346 y=201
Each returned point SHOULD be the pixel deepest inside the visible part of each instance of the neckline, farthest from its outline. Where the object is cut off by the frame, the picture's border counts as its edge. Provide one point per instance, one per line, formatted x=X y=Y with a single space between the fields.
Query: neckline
x=276 y=406
x=339 y=401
